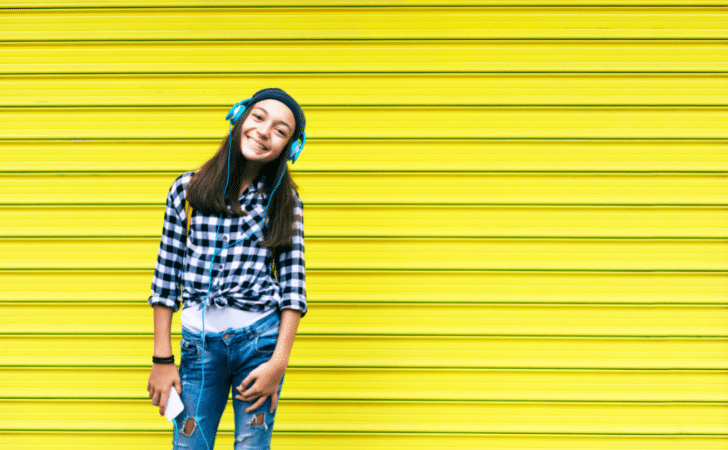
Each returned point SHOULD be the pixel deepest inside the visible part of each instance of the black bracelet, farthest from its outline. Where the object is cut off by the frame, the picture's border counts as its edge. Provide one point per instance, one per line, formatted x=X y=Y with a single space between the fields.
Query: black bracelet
x=163 y=360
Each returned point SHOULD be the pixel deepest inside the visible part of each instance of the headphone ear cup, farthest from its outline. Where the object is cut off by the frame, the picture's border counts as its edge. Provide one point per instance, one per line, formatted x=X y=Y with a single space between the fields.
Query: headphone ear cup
x=295 y=151
x=297 y=147
x=236 y=111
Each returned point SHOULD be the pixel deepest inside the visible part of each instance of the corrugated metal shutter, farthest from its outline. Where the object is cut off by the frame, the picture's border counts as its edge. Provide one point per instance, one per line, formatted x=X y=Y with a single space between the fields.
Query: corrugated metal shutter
x=515 y=216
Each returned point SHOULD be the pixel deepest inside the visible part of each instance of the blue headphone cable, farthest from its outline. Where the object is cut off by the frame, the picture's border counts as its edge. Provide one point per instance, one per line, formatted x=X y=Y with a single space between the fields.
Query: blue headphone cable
x=212 y=260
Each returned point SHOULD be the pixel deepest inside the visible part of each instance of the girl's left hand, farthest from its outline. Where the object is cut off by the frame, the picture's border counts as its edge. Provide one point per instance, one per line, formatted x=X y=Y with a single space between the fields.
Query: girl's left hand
x=267 y=378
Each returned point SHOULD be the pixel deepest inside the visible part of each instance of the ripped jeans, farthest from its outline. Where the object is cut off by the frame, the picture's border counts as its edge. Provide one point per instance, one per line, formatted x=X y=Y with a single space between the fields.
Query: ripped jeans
x=228 y=358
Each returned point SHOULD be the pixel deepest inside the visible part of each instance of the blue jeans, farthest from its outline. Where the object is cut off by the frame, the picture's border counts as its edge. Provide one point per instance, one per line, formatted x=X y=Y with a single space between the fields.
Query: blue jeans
x=228 y=358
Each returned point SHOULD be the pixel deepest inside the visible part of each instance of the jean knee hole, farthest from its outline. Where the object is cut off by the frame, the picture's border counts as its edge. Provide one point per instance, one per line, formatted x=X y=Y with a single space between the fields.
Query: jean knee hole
x=190 y=426
x=258 y=420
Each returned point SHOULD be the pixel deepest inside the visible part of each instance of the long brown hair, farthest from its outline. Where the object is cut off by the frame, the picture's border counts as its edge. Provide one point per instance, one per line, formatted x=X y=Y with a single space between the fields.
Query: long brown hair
x=205 y=190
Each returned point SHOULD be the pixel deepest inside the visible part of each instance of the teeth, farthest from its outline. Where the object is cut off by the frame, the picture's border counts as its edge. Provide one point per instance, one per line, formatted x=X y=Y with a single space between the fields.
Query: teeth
x=256 y=144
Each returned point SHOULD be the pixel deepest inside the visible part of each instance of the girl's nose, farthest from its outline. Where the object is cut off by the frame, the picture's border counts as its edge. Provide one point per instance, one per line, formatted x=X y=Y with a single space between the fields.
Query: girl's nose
x=264 y=130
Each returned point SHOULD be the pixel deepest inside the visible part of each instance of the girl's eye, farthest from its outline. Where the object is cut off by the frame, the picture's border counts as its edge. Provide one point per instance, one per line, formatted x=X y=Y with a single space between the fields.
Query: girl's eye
x=256 y=116
x=281 y=132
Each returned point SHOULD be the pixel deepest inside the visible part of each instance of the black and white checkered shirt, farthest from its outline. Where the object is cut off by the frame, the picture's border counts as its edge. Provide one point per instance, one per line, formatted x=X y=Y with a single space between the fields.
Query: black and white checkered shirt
x=242 y=276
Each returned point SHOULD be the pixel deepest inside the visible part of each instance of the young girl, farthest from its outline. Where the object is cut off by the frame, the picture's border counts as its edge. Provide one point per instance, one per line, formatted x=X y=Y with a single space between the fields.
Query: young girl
x=240 y=315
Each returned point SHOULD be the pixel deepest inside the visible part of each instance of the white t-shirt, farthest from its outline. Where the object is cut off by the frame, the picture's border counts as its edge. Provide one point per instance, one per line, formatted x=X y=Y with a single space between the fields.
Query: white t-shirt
x=218 y=319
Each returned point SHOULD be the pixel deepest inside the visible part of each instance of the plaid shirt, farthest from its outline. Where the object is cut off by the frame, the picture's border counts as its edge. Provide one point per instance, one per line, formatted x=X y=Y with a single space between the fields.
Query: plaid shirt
x=242 y=276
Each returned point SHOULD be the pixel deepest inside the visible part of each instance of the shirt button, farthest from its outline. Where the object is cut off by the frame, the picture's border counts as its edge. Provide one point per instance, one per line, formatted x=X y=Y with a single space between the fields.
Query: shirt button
x=226 y=238
x=221 y=266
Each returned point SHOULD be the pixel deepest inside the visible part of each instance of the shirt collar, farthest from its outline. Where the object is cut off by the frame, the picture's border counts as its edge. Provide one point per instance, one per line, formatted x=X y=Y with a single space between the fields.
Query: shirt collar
x=256 y=189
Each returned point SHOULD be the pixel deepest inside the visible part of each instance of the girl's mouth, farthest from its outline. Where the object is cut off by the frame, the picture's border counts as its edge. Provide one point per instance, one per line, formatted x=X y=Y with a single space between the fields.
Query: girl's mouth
x=255 y=144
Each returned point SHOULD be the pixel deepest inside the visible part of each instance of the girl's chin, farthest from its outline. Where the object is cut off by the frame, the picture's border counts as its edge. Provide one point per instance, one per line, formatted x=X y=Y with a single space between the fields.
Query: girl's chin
x=257 y=157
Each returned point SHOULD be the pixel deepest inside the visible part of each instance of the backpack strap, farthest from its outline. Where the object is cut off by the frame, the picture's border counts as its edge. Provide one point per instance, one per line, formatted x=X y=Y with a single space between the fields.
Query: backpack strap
x=188 y=211
x=188 y=208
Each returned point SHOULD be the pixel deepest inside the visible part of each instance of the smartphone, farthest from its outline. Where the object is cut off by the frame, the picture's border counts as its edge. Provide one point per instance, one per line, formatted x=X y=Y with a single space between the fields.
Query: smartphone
x=174 y=405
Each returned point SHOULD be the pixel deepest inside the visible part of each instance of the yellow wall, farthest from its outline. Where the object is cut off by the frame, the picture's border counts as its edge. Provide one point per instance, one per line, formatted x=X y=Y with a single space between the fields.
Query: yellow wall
x=516 y=216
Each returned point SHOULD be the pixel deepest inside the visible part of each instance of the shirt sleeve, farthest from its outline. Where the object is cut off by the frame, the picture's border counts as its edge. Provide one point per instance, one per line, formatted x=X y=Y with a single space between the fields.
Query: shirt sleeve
x=291 y=267
x=167 y=281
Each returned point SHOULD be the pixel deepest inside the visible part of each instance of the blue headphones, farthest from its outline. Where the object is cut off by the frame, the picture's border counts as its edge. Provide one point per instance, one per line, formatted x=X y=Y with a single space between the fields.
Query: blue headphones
x=239 y=108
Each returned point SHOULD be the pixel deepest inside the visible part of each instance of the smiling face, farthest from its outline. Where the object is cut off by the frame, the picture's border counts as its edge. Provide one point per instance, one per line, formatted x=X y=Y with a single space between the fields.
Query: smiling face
x=266 y=131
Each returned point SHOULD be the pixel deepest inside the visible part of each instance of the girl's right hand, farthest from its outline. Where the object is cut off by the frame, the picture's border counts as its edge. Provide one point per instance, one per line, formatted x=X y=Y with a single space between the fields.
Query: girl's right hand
x=162 y=379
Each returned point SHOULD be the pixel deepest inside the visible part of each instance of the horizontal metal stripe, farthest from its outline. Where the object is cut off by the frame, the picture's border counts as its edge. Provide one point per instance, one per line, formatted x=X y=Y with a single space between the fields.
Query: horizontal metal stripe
x=381 y=155
x=336 y=40
x=401 y=320
x=391 y=73
x=380 y=122
x=637 y=140
x=377 y=73
x=401 y=335
x=346 y=40
x=389 y=270
x=356 y=89
x=223 y=4
x=381 y=367
x=686 y=40
x=497 y=253
x=402 y=237
x=415 y=303
x=433 y=433
x=315 y=440
x=405 y=401
x=655 y=106
x=380 y=56
x=389 y=221
x=393 y=22
x=401 y=286
x=404 y=205
x=388 y=351
x=398 y=416
x=613 y=106
x=385 y=172
x=95 y=334
x=392 y=383
x=414 y=188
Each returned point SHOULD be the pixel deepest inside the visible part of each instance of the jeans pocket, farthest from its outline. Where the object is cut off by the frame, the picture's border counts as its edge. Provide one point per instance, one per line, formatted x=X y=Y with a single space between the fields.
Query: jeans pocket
x=188 y=350
x=265 y=343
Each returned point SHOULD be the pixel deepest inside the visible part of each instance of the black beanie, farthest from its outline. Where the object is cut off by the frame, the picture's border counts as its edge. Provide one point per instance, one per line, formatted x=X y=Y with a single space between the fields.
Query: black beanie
x=283 y=97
